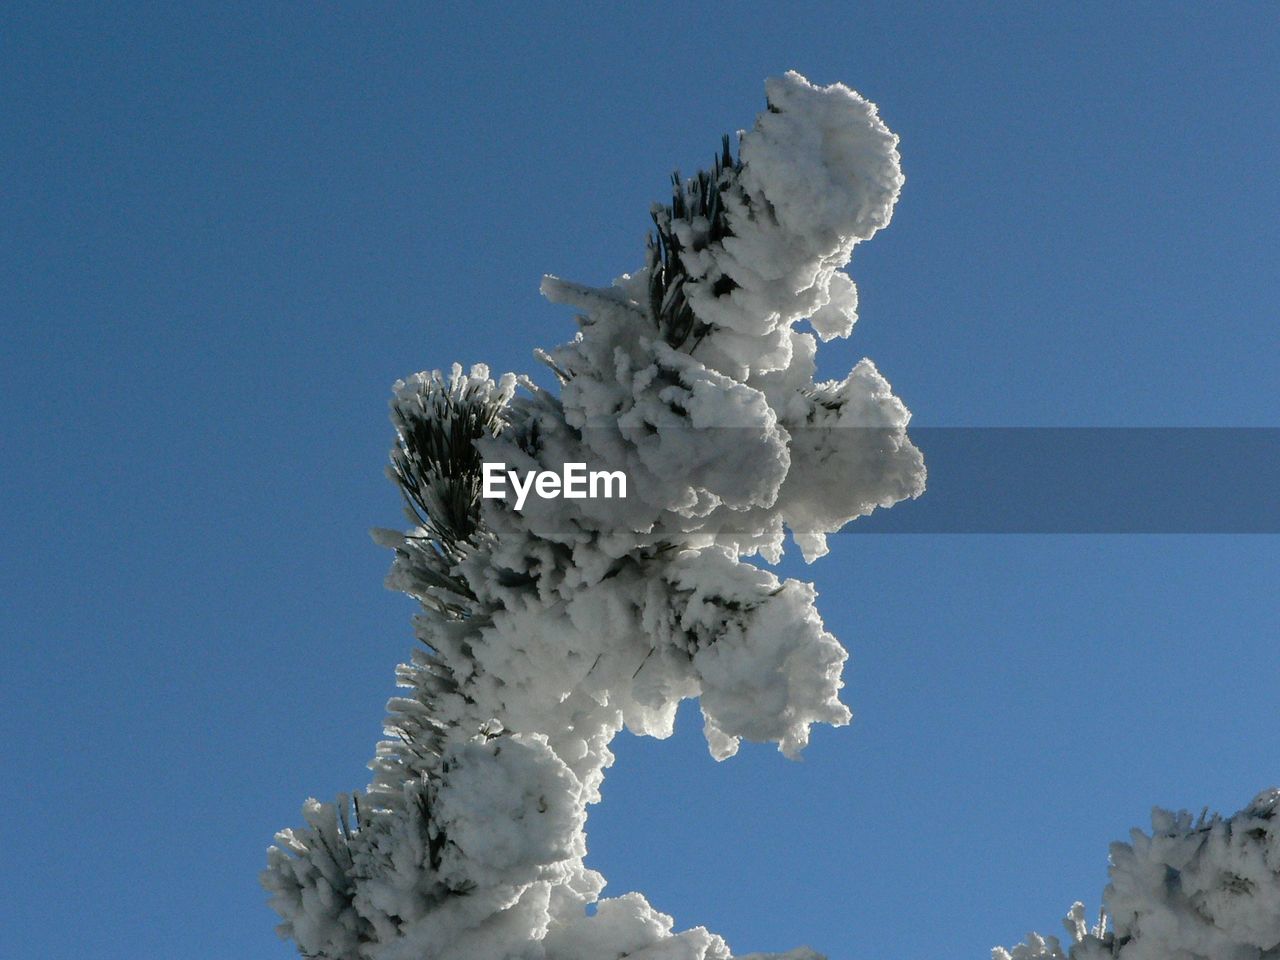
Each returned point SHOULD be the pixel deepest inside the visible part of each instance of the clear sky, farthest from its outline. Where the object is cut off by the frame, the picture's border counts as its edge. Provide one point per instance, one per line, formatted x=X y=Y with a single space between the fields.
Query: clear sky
x=227 y=228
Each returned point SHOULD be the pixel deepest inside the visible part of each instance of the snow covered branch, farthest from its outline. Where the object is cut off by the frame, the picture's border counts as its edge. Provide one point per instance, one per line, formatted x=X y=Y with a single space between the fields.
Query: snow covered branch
x=546 y=629
x=1204 y=888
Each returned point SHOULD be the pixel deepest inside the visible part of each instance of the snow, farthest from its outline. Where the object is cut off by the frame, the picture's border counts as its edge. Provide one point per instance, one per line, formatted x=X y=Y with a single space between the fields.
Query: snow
x=1205 y=888
x=547 y=629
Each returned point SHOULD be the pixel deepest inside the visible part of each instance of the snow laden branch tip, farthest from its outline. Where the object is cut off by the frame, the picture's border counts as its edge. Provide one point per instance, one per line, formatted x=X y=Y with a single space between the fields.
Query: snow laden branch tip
x=549 y=625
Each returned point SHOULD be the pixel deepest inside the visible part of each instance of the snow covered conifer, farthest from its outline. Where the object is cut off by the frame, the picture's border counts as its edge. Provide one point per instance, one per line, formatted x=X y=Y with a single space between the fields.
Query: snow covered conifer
x=545 y=630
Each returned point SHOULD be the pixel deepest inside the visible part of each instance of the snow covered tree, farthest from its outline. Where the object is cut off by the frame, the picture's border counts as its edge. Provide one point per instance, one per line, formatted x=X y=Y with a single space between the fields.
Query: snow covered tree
x=547 y=627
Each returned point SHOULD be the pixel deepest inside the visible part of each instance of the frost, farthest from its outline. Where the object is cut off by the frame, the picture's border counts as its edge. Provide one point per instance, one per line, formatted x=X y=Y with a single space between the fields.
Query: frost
x=1204 y=888
x=548 y=627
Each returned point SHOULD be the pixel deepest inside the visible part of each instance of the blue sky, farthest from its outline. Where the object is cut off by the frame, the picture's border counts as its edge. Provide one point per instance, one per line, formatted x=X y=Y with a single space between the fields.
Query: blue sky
x=229 y=227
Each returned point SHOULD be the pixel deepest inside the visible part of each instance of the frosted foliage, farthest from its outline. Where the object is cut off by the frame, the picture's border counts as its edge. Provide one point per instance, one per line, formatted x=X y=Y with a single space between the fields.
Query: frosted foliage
x=547 y=630
x=1204 y=888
